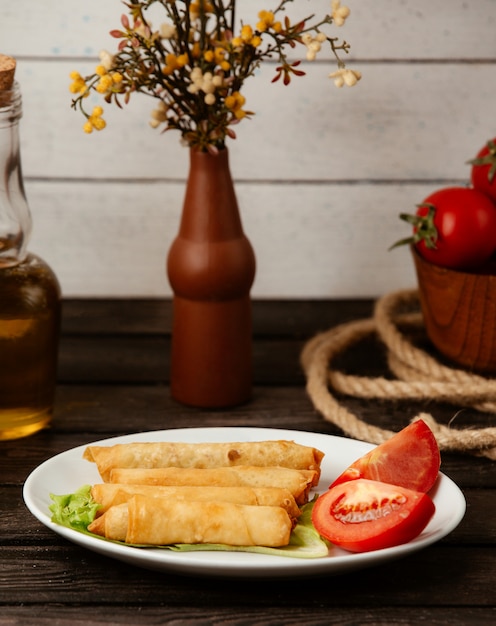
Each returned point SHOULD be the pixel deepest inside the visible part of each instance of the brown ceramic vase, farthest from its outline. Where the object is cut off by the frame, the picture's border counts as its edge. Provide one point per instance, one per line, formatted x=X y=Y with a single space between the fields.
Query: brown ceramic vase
x=211 y=268
x=459 y=311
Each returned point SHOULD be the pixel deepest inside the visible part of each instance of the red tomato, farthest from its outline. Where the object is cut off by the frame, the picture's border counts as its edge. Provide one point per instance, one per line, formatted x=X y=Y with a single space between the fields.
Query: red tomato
x=455 y=227
x=364 y=515
x=410 y=459
x=483 y=173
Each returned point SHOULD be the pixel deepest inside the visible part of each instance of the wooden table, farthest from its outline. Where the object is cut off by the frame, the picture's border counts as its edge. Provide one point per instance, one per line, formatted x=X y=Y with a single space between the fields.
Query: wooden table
x=113 y=380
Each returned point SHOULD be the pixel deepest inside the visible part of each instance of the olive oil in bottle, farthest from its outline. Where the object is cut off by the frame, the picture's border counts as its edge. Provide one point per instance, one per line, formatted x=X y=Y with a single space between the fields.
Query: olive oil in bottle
x=30 y=298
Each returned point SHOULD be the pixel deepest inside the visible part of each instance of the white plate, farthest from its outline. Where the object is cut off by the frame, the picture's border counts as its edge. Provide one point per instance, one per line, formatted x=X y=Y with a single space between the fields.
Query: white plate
x=67 y=471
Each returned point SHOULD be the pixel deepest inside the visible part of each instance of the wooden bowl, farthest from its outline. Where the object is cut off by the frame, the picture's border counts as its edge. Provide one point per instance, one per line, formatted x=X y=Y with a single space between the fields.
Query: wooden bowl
x=459 y=311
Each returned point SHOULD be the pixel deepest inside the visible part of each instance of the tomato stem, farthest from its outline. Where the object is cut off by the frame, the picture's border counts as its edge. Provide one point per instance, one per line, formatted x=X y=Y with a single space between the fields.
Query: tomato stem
x=424 y=228
x=487 y=159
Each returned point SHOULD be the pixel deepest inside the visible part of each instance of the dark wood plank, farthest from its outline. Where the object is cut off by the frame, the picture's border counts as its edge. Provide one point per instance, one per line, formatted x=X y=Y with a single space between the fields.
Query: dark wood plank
x=145 y=359
x=300 y=318
x=132 y=614
x=80 y=576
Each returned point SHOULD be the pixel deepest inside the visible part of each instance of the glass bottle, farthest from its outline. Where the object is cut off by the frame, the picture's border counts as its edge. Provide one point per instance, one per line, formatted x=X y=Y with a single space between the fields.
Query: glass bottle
x=30 y=297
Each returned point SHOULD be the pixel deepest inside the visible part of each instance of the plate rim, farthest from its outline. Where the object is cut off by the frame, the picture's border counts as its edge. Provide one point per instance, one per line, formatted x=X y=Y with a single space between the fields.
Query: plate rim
x=256 y=565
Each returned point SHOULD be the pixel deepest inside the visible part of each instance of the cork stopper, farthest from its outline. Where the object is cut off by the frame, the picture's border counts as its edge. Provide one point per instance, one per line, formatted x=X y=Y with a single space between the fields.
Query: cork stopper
x=7 y=72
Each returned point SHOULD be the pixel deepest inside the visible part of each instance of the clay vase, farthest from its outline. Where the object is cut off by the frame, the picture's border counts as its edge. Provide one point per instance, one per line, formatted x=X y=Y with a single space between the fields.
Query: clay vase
x=459 y=311
x=211 y=268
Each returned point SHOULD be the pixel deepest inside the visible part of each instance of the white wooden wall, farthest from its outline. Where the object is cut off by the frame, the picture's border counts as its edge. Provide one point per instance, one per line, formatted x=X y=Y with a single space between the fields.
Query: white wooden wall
x=321 y=173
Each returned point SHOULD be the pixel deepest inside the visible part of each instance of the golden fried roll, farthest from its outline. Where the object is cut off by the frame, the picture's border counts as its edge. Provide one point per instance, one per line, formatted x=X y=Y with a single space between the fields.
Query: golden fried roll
x=297 y=482
x=112 y=524
x=165 y=521
x=203 y=455
x=110 y=494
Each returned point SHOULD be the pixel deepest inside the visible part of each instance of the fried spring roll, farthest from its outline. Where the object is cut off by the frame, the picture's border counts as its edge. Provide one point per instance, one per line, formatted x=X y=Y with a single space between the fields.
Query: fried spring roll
x=110 y=494
x=164 y=521
x=203 y=455
x=297 y=482
x=112 y=524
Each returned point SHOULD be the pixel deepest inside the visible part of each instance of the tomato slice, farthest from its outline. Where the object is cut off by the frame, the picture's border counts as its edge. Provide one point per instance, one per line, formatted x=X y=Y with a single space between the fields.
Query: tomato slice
x=363 y=515
x=409 y=459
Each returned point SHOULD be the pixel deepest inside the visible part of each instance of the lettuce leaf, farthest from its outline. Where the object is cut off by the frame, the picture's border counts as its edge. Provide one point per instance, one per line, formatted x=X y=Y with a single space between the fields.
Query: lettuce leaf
x=77 y=511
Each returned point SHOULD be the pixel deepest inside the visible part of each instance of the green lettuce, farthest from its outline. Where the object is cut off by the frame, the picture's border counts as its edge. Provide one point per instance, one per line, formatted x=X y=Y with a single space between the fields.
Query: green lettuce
x=77 y=511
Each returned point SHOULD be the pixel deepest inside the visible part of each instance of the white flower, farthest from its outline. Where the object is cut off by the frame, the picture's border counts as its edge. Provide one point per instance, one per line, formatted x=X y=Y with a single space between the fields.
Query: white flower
x=313 y=44
x=106 y=59
x=312 y=50
x=346 y=77
x=167 y=31
x=196 y=74
x=339 y=13
x=207 y=83
x=159 y=115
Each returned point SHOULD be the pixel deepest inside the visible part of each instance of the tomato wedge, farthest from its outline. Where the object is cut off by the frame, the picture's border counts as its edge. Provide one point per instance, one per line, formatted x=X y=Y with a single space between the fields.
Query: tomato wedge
x=410 y=459
x=363 y=515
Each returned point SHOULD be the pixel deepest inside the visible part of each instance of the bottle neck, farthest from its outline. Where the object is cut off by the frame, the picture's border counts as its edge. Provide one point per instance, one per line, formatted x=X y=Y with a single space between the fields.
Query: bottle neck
x=15 y=217
x=210 y=210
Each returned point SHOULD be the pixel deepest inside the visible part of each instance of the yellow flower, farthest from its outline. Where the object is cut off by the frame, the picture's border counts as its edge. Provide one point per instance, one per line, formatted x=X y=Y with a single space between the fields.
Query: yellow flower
x=104 y=84
x=182 y=60
x=217 y=56
x=100 y=70
x=95 y=121
x=174 y=63
x=267 y=21
x=247 y=37
x=247 y=33
x=235 y=103
x=78 y=84
x=99 y=123
x=196 y=5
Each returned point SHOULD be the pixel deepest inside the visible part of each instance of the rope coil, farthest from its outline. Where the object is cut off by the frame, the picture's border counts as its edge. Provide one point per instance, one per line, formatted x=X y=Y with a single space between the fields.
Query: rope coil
x=418 y=376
